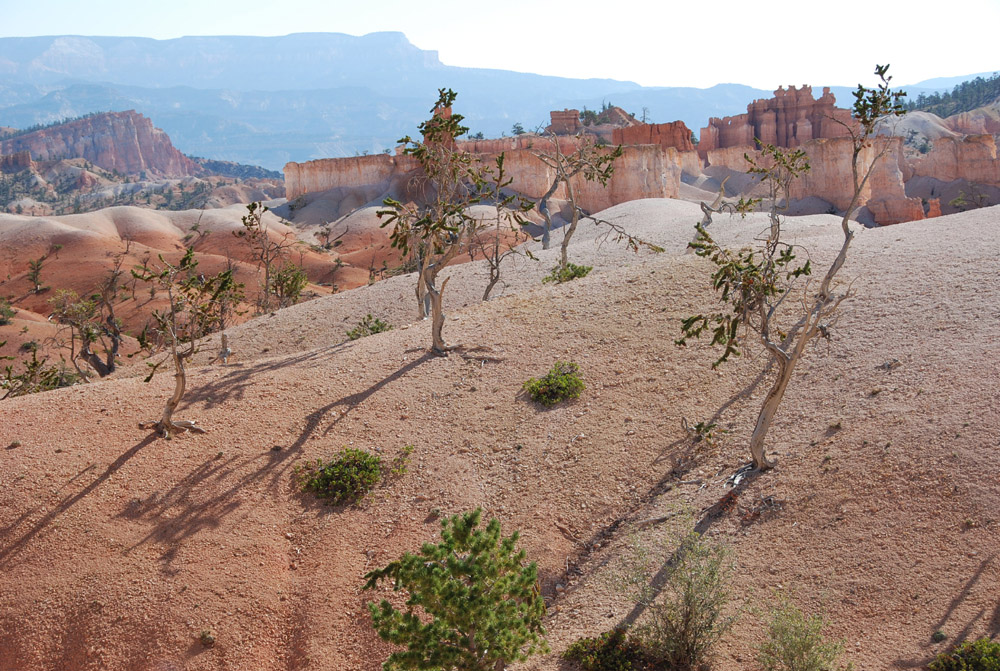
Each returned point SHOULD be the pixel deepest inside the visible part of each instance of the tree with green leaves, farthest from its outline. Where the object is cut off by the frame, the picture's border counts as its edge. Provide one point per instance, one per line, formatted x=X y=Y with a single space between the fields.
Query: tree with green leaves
x=594 y=162
x=508 y=222
x=193 y=311
x=267 y=249
x=436 y=225
x=753 y=284
x=35 y=273
x=473 y=605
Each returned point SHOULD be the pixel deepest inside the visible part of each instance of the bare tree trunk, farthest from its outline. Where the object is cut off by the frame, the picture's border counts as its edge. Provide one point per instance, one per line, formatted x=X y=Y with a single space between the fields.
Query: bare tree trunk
x=564 y=258
x=437 y=314
x=166 y=424
x=543 y=208
x=768 y=410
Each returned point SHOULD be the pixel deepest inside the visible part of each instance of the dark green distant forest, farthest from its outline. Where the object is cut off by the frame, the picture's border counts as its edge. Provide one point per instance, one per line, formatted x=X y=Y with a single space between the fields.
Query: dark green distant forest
x=963 y=98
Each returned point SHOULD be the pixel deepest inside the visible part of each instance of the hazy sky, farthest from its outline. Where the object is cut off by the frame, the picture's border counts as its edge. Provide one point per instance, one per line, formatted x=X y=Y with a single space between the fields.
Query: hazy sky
x=762 y=43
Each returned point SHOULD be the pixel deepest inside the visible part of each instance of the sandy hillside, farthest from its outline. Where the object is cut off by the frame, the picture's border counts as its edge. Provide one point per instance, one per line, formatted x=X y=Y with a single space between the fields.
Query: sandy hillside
x=117 y=550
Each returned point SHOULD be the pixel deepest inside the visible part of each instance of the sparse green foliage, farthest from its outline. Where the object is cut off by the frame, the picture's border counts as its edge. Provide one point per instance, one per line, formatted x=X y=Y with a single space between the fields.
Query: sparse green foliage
x=980 y=655
x=795 y=642
x=35 y=376
x=267 y=250
x=472 y=604
x=287 y=284
x=436 y=228
x=753 y=285
x=570 y=271
x=560 y=383
x=972 y=199
x=347 y=477
x=613 y=650
x=689 y=615
x=195 y=308
x=6 y=312
x=517 y=129
x=35 y=274
x=401 y=464
x=369 y=325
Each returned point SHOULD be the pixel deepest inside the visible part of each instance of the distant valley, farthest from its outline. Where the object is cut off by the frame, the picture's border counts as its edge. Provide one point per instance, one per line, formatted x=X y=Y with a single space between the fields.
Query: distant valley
x=270 y=100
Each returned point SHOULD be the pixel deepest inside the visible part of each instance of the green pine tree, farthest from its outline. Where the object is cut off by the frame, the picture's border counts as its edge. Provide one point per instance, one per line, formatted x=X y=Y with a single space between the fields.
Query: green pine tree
x=472 y=606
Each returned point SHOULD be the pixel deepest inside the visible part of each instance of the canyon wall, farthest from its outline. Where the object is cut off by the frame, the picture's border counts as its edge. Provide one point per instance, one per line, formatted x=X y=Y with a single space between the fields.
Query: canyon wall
x=643 y=171
x=125 y=142
x=973 y=158
x=16 y=162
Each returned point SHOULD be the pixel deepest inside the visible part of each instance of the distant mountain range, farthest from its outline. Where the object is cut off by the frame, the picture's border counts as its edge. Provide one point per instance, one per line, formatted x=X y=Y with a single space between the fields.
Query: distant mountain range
x=269 y=100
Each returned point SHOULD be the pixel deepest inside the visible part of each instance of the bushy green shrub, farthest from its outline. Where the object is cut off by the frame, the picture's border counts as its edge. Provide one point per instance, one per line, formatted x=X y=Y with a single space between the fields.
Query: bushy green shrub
x=368 y=326
x=795 y=643
x=560 y=383
x=981 y=655
x=347 y=477
x=570 y=271
x=6 y=312
x=611 y=651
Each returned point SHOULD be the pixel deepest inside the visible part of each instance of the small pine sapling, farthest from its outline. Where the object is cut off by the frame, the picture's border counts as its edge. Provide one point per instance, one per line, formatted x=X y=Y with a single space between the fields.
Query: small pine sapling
x=472 y=603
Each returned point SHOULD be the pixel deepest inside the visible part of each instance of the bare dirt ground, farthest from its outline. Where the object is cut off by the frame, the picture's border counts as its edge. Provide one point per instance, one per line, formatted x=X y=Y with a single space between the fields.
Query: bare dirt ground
x=117 y=549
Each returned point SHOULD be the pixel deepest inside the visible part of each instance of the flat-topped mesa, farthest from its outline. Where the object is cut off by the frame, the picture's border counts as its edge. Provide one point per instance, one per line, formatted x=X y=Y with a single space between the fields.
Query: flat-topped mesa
x=789 y=119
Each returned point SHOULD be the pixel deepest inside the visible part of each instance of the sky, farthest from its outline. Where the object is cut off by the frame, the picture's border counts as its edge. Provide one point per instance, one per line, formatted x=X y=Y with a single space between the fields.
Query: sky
x=764 y=43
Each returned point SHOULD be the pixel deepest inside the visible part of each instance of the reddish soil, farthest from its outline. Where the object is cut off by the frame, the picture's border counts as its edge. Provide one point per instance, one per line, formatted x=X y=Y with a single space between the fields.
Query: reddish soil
x=118 y=549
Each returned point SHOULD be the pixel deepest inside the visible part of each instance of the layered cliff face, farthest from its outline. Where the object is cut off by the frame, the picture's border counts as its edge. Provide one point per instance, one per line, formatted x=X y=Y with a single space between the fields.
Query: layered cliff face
x=789 y=119
x=973 y=158
x=123 y=142
x=643 y=171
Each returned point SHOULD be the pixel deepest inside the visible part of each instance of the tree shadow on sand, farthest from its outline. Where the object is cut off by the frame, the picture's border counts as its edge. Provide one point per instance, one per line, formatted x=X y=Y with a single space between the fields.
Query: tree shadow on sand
x=13 y=541
x=216 y=487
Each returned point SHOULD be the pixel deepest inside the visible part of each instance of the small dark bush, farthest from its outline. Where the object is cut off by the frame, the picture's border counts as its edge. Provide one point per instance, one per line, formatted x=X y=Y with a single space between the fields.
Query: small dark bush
x=611 y=651
x=560 y=383
x=345 y=478
x=570 y=271
x=368 y=326
x=981 y=655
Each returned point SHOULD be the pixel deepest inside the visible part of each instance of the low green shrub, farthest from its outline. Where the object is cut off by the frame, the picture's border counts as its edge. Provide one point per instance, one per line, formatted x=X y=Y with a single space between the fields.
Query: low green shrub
x=570 y=271
x=368 y=326
x=611 y=651
x=795 y=643
x=560 y=383
x=981 y=655
x=347 y=477
x=6 y=312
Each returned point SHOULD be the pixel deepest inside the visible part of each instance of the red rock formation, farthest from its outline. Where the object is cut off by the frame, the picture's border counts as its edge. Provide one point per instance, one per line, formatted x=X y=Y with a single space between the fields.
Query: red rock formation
x=789 y=119
x=831 y=177
x=675 y=134
x=16 y=162
x=566 y=122
x=645 y=171
x=125 y=142
x=985 y=120
x=973 y=158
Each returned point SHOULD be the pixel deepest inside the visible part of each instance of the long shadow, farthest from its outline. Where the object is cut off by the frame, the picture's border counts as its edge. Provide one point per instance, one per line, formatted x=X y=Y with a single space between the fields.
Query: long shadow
x=659 y=581
x=233 y=385
x=195 y=513
x=9 y=548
